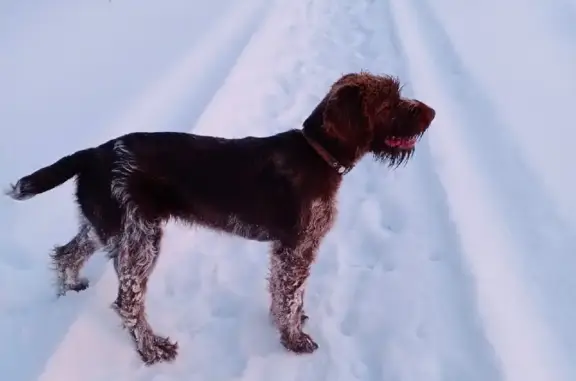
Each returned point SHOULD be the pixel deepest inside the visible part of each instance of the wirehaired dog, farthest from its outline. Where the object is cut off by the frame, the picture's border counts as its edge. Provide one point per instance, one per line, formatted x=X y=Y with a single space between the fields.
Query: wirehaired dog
x=279 y=189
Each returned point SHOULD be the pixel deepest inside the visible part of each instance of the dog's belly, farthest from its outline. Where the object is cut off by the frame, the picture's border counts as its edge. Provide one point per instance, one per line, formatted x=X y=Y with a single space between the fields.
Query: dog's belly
x=248 y=231
x=234 y=226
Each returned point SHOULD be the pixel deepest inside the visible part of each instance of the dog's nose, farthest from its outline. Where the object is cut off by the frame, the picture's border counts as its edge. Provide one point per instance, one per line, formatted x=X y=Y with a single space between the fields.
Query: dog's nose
x=428 y=113
x=432 y=113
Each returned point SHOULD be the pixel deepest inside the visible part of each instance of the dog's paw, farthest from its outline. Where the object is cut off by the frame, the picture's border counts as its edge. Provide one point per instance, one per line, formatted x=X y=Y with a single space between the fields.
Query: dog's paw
x=81 y=285
x=299 y=342
x=158 y=350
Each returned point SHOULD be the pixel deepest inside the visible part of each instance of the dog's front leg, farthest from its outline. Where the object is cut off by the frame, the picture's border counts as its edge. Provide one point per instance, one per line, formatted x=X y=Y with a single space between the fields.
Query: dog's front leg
x=290 y=268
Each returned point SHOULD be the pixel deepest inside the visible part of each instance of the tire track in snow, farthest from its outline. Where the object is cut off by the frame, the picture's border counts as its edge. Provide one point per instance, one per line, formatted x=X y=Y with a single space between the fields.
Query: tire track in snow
x=483 y=208
x=180 y=95
x=561 y=15
x=183 y=94
x=408 y=264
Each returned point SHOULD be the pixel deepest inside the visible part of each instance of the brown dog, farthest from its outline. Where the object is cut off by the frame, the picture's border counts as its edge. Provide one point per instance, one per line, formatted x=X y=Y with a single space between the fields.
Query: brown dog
x=279 y=189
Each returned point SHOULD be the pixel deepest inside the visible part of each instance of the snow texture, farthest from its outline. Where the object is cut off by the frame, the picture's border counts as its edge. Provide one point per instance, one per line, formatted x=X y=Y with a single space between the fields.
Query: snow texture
x=458 y=267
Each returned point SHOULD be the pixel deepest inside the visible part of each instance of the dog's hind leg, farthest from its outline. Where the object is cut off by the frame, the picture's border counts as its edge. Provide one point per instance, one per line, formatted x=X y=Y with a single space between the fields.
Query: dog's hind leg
x=135 y=256
x=69 y=259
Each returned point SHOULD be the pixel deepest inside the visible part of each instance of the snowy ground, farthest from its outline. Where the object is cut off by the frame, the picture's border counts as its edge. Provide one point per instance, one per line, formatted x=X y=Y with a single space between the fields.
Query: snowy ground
x=458 y=267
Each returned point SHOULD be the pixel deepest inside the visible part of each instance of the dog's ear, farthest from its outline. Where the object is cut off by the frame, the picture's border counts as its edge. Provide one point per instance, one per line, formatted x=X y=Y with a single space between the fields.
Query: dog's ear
x=344 y=115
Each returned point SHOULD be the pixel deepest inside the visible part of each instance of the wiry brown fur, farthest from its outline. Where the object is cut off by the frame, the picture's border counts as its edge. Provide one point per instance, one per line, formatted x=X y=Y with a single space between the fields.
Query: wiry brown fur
x=279 y=189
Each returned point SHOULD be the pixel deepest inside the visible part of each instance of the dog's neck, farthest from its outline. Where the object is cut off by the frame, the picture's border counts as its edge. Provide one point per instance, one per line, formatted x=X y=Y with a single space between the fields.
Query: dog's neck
x=326 y=155
x=337 y=154
x=332 y=151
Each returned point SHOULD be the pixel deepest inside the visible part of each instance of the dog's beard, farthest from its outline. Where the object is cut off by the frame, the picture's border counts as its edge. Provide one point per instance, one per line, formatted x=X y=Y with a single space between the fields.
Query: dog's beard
x=396 y=151
x=394 y=158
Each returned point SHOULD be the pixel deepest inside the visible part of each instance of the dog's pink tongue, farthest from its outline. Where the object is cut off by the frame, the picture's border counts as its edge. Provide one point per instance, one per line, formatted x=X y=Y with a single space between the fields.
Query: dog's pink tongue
x=408 y=143
x=401 y=143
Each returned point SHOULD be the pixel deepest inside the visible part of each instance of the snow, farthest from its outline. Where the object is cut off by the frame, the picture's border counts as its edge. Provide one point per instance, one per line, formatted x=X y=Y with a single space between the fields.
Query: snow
x=457 y=267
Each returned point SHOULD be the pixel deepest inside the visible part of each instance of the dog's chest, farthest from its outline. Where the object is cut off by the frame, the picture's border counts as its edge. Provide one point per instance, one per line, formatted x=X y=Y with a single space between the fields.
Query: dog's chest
x=320 y=218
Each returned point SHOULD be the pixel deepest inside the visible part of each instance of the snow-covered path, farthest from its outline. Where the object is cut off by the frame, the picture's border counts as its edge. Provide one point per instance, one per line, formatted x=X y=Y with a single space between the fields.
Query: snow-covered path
x=456 y=267
x=125 y=80
x=507 y=224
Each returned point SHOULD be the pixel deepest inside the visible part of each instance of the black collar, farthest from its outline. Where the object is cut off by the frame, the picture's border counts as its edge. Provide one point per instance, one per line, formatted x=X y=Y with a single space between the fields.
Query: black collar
x=324 y=154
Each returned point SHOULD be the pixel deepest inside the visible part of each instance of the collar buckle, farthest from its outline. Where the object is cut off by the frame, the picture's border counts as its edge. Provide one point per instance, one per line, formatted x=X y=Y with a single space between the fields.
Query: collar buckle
x=324 y=154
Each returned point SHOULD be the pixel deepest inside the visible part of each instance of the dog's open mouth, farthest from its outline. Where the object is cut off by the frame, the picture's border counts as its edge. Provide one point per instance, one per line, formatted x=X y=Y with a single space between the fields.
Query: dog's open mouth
x=401 y=143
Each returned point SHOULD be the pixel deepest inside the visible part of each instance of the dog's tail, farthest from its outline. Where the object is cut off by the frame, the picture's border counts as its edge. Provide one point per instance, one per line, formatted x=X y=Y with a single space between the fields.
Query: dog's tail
x=51 y=176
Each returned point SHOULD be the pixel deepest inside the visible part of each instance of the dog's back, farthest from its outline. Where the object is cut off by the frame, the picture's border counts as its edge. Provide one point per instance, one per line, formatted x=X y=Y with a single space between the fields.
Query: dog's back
x=214 y=181
x=160 y=154
x=185 y=176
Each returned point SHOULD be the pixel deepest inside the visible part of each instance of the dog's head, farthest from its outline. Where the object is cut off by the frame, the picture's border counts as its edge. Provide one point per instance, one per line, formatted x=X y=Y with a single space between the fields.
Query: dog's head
x=367 y=113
